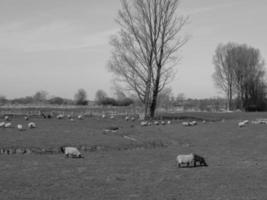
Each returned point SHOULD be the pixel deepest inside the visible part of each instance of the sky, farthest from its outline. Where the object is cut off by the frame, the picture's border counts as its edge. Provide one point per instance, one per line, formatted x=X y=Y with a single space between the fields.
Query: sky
x=61 y=46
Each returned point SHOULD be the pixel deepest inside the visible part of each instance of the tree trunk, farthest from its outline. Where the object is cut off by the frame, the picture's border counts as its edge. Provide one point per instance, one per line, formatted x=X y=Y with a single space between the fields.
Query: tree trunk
x=155 y=94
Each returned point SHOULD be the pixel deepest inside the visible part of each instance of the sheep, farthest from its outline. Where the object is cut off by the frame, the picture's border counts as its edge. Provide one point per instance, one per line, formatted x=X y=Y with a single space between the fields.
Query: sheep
x=169 y=122
x=8 y=125
x=20 y=127
x=69 y=116
x=60 y=116
x=144 y=123
x=31 y=125
x=80 y=117
x=133 y=119
x=127 y=118
x=189 y=160
x=26 y=118
x=112 y=117
x=243 y=123
x=156 y=123
x=163 y=123
x=104 y=116
x=186 y=124
x=2 y=124
x=193 y=123
x=6 y=118
x=71 y=152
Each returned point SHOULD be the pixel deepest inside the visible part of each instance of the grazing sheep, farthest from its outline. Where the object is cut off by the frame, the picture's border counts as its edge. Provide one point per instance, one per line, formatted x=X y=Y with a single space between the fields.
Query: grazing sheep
x=71 y=152
x=156 y=123
x=189 y=160
x=60 y=116
x=186 y=124
x=20 y=127
x=8 y=125
x=169 y=122
x=144 y=123
x=193 y=123
x=31 y=125
x=26 y=118
x=112 y=117
x=69 y=116
x=2 y=124
x=163 y=123
x=6 y=118
x=80 y=117
x=104 y=116
x=127 y=118
x=133 y=119
x=243 y=123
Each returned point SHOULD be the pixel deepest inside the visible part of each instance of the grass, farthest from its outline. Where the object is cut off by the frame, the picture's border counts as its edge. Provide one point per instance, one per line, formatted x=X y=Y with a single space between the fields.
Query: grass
x=236 y=157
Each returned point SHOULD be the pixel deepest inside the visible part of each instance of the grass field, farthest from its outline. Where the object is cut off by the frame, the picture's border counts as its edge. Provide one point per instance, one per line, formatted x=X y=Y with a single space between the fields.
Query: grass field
x=118 y=168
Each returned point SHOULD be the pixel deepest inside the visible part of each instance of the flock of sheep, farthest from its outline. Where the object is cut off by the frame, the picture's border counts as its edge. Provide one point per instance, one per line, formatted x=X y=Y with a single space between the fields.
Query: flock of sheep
x=184 y=160
x=7 y=124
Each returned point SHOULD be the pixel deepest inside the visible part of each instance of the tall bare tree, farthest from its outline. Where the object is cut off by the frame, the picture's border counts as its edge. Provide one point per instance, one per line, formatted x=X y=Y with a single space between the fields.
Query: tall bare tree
x=144 y=51
x=224 y=73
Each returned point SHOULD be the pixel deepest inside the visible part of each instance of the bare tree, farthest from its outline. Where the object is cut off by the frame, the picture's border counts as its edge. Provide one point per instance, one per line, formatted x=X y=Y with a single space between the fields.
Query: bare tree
x=224 y=72
x=249 y=71
x=144 y=51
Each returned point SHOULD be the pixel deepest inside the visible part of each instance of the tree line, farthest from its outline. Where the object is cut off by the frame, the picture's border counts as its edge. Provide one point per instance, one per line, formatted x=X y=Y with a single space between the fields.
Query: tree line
x=240 y=75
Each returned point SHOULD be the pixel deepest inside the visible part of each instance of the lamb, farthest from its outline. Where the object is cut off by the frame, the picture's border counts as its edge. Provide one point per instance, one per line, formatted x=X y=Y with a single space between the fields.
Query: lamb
x=127 y=118
x=156 y=122
x=26 y=118
x=189 y=160
x=71 y=152
x=186 y=124
x=32 y=125
x=6 y=118
x=193 y=123
x=163 y=123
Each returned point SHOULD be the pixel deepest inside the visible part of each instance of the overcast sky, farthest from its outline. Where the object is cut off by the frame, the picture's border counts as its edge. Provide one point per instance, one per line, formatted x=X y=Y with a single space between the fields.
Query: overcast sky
x=63 y=45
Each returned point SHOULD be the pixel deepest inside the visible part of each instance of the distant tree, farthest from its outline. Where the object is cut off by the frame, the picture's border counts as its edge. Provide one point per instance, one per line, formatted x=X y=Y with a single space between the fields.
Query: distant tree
x=144 y=52
x=223 y=76
x=80 y=98
x=3 y=100
x=57 y=101
x=40 y=96
x=249 y=72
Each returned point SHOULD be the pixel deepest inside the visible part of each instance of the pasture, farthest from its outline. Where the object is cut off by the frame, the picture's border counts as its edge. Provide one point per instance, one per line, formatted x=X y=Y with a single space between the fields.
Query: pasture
x=116 y=167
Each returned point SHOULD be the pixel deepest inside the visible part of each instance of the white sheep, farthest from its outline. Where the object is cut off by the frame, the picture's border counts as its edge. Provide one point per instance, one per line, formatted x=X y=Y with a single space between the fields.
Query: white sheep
x=8 y=125
x=133 y=119
x=193 y=123
x=26 y=118
x=163 y=123
x=2 y=124
x=144 y=123
x=169 y=122
x=189 y=160
x=20 y=127
x=60 y=116
x=80 y=117
x=186 y=124
x=156 y=122
x=127 y=118
x=31 y=125
x=242 y=124
x=71 y=152
x=104 y=116
x=6 y=118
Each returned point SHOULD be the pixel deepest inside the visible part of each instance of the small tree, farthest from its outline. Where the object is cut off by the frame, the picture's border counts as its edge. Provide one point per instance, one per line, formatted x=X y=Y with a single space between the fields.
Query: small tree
x=80 y=97
x=40 y=96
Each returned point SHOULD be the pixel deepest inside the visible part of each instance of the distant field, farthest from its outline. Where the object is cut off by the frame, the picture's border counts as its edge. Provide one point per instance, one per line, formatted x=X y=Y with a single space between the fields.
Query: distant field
x=117 y=168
